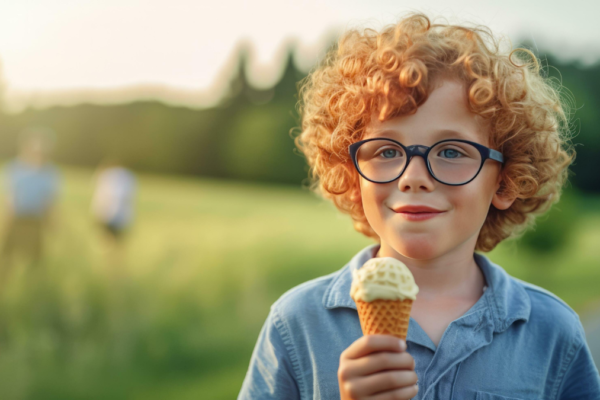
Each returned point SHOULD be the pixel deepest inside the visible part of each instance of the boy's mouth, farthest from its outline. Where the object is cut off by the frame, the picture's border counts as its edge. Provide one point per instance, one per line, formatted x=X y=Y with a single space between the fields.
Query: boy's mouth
x=417 y=212
x=419 y=216
x=416 y=209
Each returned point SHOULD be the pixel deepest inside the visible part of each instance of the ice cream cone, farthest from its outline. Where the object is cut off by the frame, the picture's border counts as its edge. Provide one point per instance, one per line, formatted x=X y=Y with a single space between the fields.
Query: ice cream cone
x=384 y=290
x=382 y=316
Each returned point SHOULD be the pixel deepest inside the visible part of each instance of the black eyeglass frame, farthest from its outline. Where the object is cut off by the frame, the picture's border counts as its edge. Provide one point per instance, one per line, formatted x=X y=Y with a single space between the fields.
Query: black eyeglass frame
x=423 y=151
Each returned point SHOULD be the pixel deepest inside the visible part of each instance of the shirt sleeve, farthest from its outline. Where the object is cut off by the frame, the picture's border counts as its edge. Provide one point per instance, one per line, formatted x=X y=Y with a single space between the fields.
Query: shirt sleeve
x=270 y=374
x=581 y=380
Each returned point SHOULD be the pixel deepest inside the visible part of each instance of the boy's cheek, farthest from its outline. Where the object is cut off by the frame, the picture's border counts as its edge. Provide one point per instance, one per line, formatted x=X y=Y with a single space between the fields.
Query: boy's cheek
x=369 y=197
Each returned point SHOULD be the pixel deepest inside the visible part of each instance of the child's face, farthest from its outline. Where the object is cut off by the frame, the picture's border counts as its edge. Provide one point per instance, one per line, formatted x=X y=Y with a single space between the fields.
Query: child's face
x=465 y=207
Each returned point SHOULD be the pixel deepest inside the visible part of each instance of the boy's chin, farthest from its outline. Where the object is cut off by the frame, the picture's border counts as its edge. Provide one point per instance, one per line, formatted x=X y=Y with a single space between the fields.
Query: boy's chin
x=417 y=248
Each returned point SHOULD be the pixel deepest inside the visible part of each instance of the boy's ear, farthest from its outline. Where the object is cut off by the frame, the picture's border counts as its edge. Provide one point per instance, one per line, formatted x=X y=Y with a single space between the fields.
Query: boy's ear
x=500 y=200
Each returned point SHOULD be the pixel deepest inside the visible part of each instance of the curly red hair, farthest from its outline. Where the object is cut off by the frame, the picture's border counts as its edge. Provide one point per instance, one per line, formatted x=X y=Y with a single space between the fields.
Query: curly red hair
x=392 y=72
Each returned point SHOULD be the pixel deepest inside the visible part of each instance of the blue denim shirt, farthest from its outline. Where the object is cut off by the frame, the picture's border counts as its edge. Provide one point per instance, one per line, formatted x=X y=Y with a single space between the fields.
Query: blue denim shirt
x=518 y=341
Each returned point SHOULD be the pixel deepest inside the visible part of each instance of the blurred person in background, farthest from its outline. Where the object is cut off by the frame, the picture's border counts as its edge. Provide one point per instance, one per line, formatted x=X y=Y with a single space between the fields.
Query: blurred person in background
x=32 y=185
x=112 y=205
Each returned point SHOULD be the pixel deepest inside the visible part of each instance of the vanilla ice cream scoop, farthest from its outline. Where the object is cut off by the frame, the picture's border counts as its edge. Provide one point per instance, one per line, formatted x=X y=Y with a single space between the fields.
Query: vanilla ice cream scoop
x=383 y=278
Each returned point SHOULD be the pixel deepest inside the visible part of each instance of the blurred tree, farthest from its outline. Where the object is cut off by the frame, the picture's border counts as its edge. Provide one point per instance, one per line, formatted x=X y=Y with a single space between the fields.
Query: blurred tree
x=258 y=145
x=554 y=230
x=584 y=85
x=580 y=90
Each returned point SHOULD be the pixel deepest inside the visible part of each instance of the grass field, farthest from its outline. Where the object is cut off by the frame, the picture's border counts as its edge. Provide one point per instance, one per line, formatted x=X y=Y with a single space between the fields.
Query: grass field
x=204 y=262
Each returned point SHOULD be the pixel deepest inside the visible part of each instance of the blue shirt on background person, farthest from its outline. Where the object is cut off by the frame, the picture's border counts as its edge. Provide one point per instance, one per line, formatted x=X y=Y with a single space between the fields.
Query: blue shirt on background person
x=32 y=189
x=518 y=341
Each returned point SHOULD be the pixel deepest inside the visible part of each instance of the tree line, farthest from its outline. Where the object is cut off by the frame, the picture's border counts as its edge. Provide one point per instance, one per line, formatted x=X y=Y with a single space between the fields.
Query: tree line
x=248 y=135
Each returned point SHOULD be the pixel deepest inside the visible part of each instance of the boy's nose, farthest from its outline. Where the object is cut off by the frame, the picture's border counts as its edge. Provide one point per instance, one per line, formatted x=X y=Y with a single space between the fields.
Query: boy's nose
x=416 y=176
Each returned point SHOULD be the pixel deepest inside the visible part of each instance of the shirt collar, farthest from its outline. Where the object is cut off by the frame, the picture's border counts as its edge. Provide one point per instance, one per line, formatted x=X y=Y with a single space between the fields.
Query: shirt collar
x=508 y=301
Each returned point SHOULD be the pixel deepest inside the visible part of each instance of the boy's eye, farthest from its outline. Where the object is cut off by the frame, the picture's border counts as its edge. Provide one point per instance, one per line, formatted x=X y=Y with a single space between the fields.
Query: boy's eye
x=389 y=153
x=450 y=153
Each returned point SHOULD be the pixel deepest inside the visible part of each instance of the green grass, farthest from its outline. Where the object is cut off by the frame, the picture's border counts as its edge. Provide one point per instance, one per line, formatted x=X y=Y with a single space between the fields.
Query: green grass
x=204 y=262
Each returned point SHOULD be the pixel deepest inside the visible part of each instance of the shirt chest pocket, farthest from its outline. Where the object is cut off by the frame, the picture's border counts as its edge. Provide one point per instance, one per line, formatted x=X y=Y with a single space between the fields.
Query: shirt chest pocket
x=490 y=396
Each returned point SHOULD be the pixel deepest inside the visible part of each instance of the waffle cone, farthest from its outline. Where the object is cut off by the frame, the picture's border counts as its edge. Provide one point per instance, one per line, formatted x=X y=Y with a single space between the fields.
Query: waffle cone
x=381 y=316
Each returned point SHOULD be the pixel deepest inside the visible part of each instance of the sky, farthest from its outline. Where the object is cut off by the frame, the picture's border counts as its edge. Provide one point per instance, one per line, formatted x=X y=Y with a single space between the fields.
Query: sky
x=61 y=51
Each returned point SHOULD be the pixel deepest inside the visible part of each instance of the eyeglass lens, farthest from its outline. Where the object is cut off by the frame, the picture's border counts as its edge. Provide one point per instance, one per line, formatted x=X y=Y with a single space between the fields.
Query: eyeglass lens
x=451 y=162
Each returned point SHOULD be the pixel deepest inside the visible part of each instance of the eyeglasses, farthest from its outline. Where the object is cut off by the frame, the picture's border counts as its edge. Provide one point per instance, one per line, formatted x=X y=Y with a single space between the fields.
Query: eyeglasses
x=452 y=162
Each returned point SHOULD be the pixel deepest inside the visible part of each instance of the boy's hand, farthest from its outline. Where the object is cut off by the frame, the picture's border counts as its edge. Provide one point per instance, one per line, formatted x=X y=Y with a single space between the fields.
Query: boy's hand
x=377 y=367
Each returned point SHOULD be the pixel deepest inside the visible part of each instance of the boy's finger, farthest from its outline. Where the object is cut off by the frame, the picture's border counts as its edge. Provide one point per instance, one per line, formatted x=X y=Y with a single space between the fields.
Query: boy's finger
x=381 y=362
x=398 y=394
x=374 y=343
x=383 y=382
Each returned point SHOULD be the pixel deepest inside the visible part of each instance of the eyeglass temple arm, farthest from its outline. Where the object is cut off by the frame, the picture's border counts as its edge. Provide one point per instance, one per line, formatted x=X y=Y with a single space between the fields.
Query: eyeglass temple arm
x=496 y=155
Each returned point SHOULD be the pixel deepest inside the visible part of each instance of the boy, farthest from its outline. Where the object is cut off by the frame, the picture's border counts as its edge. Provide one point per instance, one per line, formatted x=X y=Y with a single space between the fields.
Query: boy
x=437 y=145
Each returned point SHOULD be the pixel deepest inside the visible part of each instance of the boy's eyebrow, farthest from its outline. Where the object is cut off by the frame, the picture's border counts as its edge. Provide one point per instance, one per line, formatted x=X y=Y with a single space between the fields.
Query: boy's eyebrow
x=437 y=136
x=388 y=133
